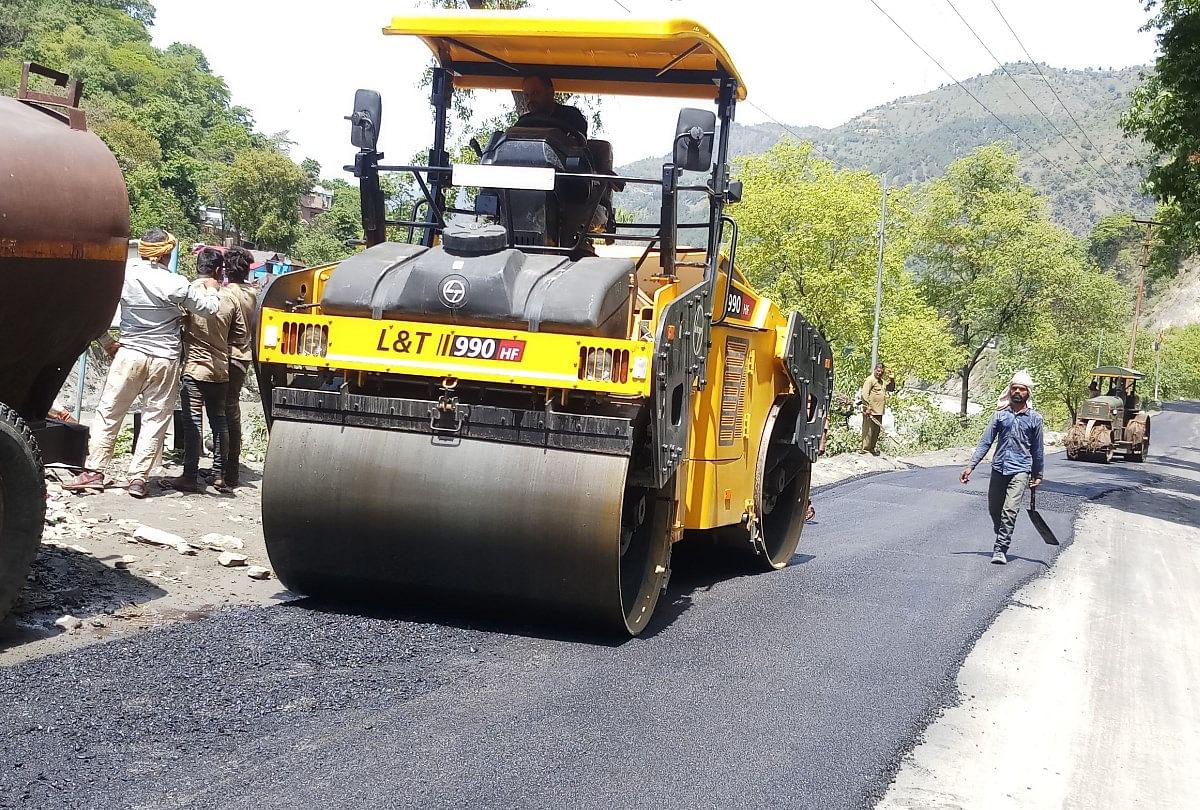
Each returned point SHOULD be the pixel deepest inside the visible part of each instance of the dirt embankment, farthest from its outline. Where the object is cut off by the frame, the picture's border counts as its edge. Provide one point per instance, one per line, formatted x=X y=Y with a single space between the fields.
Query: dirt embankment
x=1178 y=303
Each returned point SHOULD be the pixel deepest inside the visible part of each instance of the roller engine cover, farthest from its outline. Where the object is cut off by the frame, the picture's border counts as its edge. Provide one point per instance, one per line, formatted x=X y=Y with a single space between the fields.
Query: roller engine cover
x=502 y=289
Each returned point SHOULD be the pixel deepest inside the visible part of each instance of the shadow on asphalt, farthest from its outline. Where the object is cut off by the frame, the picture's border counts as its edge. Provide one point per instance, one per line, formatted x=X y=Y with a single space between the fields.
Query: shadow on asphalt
x=1183 y=407
x=1168 y=497
x=1011 y=557
x=695 y=568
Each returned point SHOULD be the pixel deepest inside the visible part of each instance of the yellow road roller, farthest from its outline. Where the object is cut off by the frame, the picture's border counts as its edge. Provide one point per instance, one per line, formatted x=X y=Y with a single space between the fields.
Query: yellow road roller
x=514 y=399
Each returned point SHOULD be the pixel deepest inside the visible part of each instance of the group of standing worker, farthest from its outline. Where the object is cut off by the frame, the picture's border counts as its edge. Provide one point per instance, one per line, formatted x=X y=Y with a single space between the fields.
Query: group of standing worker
x=173 y=331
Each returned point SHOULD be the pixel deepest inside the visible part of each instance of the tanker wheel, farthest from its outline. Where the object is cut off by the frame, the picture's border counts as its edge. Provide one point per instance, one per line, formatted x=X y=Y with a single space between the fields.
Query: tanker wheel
x=22 y=504
x=782 y=485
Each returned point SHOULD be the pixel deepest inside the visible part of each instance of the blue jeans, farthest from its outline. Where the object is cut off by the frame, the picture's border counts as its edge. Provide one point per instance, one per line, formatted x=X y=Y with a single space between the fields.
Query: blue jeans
x=1005 y=493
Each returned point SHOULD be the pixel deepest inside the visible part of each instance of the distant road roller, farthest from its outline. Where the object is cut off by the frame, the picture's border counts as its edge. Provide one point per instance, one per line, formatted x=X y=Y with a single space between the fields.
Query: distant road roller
x=528 y=403
x=64 y=234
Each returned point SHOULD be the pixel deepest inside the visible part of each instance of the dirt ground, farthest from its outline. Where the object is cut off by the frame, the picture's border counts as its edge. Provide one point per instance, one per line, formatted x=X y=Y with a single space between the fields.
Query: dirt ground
x=92 y=567
x=100 y=581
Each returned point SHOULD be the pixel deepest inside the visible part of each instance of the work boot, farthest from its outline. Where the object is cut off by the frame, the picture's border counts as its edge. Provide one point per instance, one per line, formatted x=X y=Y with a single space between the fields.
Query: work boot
x=137 y=488
x=180 y=484
x=85 y=481
x=999 y=558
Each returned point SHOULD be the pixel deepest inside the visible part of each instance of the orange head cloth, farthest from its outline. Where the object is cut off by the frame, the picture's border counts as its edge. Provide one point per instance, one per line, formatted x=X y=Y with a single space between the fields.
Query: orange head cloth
x=157 y=251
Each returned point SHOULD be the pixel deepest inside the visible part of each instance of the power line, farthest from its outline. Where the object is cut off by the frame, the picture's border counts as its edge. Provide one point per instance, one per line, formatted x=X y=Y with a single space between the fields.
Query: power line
x=763 y=112
x=783 y=126
x=1038 y=68
x=1029 y=98
x=975 y=98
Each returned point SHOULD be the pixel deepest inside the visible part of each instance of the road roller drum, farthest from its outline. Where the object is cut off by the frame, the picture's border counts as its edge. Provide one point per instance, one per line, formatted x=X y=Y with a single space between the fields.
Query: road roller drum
x=350 y=509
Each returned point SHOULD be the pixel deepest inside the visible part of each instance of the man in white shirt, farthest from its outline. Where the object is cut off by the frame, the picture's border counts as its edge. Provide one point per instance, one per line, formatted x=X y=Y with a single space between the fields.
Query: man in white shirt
x=146 y=360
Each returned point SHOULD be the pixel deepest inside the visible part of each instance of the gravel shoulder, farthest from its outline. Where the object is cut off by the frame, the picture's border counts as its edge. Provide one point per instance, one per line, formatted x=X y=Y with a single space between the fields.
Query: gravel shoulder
x=99 y=580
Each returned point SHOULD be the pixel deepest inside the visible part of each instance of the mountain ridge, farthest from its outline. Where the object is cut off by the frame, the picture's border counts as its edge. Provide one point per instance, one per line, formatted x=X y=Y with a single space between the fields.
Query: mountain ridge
x=912 y=139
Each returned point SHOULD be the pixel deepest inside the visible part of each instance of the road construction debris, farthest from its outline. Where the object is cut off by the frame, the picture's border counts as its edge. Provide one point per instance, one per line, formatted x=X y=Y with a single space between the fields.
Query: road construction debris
x=124 y=562
x=258 y=572
x=68 y=622
x=232 y=559
x=157 y=537
x=222 y=542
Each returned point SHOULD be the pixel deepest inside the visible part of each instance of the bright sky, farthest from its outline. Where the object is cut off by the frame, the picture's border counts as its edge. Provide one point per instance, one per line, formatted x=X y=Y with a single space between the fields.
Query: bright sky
x=296 y=65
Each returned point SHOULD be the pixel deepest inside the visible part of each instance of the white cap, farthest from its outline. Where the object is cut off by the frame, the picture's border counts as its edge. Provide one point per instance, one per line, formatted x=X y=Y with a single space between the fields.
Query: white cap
x=1022 y=378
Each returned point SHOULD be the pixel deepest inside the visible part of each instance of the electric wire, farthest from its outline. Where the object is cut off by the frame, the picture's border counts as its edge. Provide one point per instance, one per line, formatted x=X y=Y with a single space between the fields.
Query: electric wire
x=1029 y=98
x=976 y=99
x=1067 y=109
x=761 y=111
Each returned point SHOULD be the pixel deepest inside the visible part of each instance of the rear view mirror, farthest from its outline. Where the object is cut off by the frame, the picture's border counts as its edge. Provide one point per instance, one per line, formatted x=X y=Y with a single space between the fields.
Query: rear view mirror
x=694 y=135
x=364 y=121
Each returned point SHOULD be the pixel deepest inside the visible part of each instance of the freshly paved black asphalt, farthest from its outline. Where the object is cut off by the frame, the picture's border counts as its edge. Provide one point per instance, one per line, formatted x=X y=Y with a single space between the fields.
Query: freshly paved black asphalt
x=798 y=688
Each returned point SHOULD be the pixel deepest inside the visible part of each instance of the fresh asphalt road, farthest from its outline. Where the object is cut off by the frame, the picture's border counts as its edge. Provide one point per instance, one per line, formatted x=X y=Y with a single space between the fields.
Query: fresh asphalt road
x=798 y=688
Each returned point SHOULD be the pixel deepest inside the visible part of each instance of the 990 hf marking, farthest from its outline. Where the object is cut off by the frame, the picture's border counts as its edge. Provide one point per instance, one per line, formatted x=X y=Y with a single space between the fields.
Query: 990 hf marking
x=475 y=347
x=483 y=348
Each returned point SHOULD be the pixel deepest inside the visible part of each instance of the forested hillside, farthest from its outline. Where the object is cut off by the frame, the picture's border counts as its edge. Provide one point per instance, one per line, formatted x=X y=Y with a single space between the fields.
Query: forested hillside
x=914 y=139
x=169 y=120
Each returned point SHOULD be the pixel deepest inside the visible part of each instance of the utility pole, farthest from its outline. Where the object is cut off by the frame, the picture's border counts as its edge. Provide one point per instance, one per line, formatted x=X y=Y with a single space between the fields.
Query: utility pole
x=879 y=276
x=1157 y=360
x=1142 y=264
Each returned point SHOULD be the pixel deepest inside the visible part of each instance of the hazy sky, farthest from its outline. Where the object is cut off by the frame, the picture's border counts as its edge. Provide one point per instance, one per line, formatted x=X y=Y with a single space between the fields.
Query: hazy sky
x=296 y=65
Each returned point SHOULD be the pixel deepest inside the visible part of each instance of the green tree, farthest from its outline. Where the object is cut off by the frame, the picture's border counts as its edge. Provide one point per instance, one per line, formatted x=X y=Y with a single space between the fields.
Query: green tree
x=1111 y=239
x=986 y=253
x=1080 y=303
x=262 y=191
x=312 y=173
x=165 y=115
x=808 y=235
x=1163 y=113
x=1179 y=363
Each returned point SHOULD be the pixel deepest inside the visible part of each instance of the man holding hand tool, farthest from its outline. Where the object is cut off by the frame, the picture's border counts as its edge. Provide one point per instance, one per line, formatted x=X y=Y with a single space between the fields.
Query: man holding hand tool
x=1017 y=432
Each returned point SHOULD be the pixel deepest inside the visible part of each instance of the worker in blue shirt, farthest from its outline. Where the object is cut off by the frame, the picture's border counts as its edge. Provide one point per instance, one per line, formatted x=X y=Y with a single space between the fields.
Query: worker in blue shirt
x=1017 y=432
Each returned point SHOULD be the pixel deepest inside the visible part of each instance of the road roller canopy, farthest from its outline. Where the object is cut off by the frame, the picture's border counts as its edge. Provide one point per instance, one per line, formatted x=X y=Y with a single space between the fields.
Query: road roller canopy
x=1117 y=372
x=495 y=50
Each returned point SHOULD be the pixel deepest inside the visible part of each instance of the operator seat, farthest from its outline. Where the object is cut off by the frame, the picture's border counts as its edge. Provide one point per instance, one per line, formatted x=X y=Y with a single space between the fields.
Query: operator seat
x=602 y=160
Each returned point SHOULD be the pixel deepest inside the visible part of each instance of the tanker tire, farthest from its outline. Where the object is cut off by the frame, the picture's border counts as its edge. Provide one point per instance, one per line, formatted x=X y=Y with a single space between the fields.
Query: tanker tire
x=22 y=504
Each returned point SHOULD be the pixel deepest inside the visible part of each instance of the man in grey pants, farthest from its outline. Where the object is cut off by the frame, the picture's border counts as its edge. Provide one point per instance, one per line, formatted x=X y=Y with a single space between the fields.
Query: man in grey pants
x=1017 y=432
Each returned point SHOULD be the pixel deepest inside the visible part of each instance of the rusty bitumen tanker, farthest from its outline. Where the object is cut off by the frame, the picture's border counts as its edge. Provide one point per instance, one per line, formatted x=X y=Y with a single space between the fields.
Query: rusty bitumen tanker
x=64 y=229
